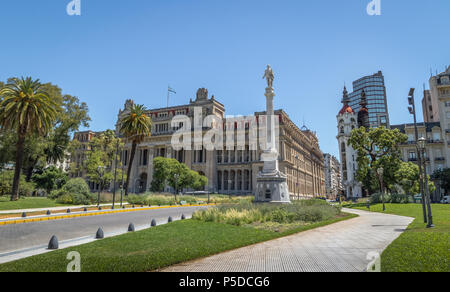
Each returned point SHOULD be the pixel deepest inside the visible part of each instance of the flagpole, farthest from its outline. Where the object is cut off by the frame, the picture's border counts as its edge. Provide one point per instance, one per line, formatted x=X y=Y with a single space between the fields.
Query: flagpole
x=168 y=95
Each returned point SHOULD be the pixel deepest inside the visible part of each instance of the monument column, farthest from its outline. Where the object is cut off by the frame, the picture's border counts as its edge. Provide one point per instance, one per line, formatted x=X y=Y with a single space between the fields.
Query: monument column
x=271 y=183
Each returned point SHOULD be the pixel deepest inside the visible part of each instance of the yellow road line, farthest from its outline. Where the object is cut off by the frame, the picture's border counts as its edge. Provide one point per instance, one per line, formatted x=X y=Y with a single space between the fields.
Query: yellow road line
x=21 y=221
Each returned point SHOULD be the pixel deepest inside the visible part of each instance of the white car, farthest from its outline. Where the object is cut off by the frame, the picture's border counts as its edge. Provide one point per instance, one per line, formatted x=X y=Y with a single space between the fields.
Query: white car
x=446 y=200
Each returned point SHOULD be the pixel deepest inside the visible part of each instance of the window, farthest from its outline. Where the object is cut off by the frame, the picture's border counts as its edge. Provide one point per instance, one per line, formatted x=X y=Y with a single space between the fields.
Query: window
x=412 y=155
x=447 y=104
x=448 y=115
x=436 y=136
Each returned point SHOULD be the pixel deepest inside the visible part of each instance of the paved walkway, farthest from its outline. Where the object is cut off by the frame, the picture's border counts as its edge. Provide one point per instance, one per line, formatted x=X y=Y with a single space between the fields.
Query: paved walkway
x=339 y=247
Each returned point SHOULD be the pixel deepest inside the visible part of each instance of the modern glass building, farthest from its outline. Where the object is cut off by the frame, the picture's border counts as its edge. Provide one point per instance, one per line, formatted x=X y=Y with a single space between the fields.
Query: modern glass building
x=375 y=90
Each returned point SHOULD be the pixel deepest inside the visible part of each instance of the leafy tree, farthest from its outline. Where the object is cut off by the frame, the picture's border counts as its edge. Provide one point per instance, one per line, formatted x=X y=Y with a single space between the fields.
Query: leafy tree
x=26 y=108
x=377 y=148
x=100 y=160
x=442 y=177
x=408 y=178
x=179 y=175
x=200 y=182
x=135 y=125
x=175 y=174
x=50 y=179
x=161 y=172
x=53 y=147
x=26 y=189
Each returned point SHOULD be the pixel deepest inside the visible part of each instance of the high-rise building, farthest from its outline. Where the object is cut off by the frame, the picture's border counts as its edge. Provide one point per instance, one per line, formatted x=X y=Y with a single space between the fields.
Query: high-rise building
x=430 y=107
x=375 y=93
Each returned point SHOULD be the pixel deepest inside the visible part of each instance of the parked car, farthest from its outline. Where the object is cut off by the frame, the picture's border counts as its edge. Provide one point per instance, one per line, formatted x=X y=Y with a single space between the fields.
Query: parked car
x=446 y=200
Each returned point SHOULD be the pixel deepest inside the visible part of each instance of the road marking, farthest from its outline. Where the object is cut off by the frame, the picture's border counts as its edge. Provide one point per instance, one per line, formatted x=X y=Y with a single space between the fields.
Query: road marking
x=12 y=222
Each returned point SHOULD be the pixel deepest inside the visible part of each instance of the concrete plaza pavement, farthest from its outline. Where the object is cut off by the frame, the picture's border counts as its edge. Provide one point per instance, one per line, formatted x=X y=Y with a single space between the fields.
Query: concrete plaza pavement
x=339 y=247
x=22 y=240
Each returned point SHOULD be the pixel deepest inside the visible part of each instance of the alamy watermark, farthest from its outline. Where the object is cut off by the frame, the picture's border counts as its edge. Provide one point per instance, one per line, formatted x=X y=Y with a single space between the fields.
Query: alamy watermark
x=74 y=265
x=374 y=8
x=375 y=262
x=233 y=133
x=74 y=8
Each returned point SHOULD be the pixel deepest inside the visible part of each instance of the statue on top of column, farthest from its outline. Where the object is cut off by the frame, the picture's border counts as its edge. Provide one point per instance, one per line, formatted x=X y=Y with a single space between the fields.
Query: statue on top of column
x=269 y=76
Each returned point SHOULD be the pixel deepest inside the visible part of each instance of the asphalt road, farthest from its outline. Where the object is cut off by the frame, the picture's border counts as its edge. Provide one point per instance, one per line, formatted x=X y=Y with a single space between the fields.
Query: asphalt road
x=28 y=235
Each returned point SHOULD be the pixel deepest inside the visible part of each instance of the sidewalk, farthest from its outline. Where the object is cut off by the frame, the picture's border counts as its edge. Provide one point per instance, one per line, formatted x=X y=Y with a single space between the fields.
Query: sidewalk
x=339 y=247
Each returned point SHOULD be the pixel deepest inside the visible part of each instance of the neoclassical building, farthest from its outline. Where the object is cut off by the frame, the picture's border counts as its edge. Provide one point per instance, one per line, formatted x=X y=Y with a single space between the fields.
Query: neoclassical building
x=228 y=171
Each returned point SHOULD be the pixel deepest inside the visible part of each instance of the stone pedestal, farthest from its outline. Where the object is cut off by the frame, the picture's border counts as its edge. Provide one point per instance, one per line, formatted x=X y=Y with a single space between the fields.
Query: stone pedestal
x=271 y=184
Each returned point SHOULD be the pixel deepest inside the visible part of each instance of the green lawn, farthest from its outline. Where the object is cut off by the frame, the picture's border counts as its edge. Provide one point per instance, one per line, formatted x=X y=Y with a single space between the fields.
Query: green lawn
x=27 y=203
x=155 y=248
x=418 y=249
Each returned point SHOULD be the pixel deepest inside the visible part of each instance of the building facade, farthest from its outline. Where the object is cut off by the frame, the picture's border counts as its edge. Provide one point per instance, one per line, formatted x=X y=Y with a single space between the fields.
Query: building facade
x=80 y=155
x=430 y=107
x=375 y=93
x=228 y=171
x=347 y=120
x=435 y=152
x=333 y=179
x=435 y=129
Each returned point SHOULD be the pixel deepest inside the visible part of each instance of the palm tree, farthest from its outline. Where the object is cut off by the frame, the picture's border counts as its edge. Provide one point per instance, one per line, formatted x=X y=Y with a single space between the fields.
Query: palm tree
x=26 y=108
x=135 y=126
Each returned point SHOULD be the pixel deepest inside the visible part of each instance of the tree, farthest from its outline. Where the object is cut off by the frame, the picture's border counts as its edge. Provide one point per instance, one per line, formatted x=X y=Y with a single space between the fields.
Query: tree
x=175 y=174
x=100 y=160
x=26 y=108
x=200 y=182
x=53 y=147
x=135 y=126
x=50 y=179
x=408 y=178
x=442 y=177
x=377 y=148
x=179 y=175
x=161 y=172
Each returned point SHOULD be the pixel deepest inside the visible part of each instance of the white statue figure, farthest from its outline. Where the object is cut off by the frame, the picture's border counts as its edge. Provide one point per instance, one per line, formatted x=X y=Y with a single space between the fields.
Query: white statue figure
x=268 y=75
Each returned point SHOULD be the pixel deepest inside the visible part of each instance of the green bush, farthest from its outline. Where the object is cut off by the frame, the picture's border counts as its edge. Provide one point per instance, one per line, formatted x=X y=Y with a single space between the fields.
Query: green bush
x=136 y=199
x=391 y=198
x=26 y=189
x=75 y=191
x=246 y=213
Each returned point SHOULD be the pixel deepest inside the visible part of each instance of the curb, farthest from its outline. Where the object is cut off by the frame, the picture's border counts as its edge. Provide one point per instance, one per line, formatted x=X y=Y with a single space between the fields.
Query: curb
x=31 y=220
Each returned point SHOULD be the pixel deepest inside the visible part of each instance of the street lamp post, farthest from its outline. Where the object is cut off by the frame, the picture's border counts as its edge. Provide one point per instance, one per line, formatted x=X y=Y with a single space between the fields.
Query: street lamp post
x=176 y=186
x=421 y=145
x=115 y=173
x=380 y=172
x=229 y=187
x=412 y=111
x=101 y=172
x=121 y=187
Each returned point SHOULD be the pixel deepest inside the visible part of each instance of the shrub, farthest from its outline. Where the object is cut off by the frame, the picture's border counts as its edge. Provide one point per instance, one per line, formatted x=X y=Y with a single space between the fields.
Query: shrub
x=26 y=189
x=247 y=213
x=391 y=198
x=136 y=199
x=76 y=192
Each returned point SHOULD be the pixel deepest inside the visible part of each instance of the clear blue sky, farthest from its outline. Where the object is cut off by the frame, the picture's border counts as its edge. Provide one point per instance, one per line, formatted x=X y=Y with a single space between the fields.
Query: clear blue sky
x=134 y=49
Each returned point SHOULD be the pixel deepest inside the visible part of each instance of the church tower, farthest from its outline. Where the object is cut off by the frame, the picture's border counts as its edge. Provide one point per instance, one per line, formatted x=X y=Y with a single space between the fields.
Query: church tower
x=347 y=121
x=363 y=114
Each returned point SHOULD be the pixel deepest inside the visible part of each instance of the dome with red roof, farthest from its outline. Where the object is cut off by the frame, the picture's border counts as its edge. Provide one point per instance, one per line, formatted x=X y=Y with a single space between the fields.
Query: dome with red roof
x=346 y=109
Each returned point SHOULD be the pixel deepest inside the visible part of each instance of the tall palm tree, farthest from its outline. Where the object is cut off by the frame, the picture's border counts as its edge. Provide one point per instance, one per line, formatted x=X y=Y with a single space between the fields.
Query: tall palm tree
x=26 y=108
x=135 y=126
